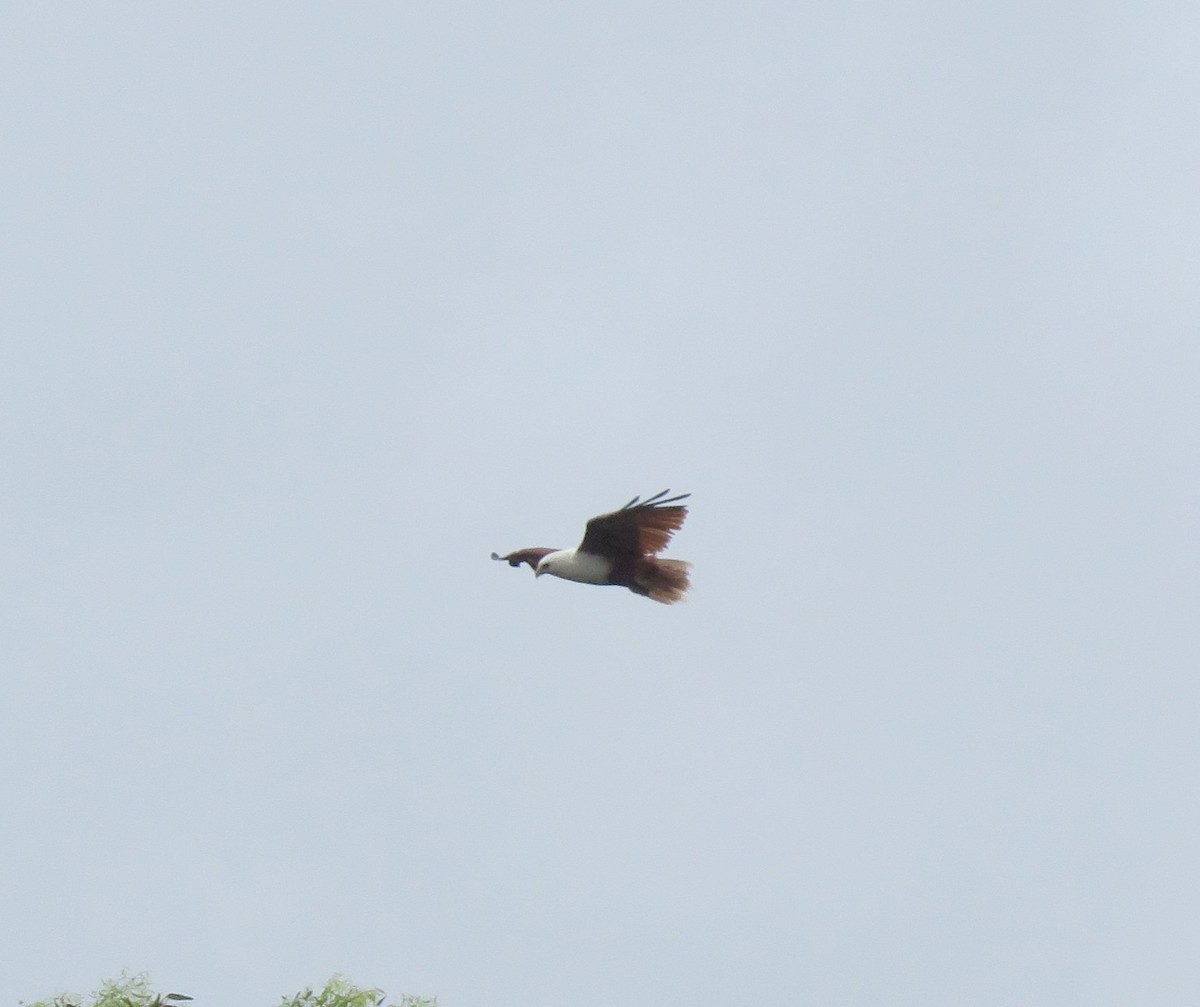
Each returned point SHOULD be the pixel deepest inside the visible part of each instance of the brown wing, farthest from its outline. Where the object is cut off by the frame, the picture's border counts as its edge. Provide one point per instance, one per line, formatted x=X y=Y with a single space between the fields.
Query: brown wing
x=531 y=556
x=637 y=529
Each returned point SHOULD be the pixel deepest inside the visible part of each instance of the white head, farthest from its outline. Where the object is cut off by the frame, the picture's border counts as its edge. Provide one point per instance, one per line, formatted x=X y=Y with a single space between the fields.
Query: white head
x=571 y=564
x=549 y=564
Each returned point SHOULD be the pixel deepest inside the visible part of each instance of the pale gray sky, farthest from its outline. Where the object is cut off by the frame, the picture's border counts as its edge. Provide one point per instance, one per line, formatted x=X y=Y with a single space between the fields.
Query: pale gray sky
x=306 y=309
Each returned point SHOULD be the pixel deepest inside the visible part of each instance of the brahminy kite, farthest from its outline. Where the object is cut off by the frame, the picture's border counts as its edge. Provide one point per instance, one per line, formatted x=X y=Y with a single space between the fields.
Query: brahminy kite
x=619 y=548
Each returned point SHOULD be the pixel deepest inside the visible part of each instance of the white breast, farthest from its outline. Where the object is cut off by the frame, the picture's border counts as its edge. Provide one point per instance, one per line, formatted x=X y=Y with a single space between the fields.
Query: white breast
x=578 y=566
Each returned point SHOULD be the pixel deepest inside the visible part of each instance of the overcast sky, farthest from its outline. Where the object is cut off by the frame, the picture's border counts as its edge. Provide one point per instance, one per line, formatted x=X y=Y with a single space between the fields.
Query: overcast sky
x=307 y=308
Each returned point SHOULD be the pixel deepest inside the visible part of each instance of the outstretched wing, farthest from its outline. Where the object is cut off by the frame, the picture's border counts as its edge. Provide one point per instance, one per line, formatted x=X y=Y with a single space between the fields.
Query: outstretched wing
x=637 y=529
x=530 y=556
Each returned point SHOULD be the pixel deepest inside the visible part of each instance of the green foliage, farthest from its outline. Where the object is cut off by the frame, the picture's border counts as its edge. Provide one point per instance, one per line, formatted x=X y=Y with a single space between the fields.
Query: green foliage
x=135 y=991
x=337 y=993
x=128 y=991
x=340 y=993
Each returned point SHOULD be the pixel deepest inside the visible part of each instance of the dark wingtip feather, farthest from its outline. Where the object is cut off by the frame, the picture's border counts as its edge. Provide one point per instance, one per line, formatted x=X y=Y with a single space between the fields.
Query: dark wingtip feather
x=663 y=503
x=656 y=500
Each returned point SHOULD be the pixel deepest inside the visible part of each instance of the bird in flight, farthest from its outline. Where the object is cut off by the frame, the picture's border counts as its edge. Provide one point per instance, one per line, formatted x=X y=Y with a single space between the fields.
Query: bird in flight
x=621 y=548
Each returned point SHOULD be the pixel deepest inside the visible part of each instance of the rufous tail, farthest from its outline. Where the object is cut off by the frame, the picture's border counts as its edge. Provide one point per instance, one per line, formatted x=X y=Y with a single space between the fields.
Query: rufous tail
x=664 y=580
